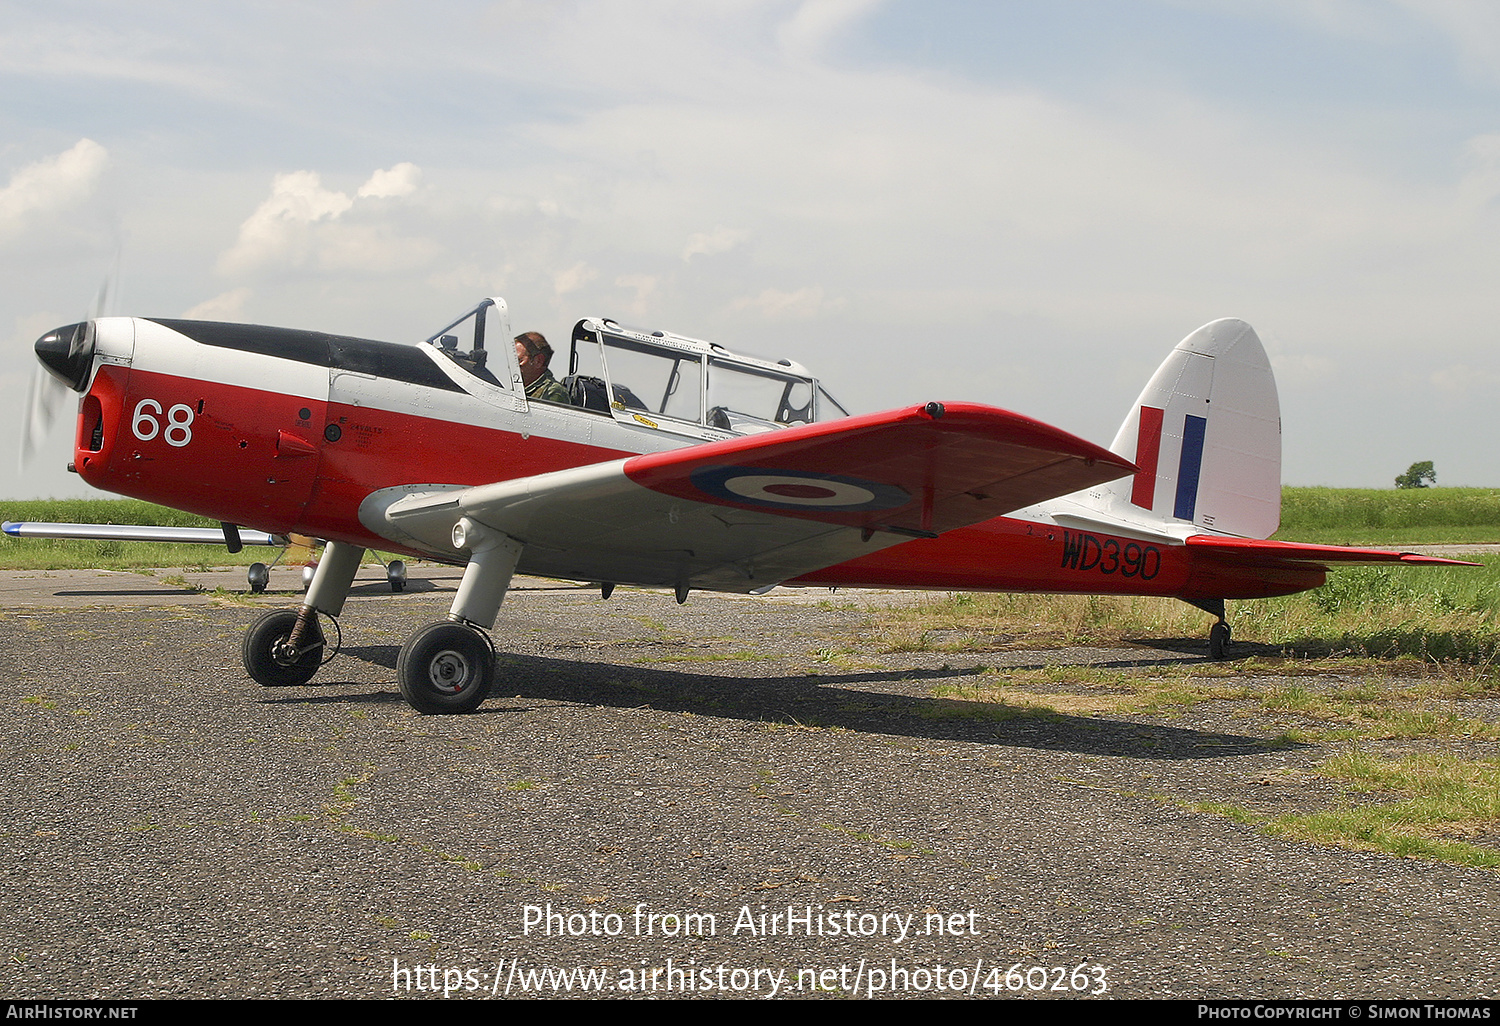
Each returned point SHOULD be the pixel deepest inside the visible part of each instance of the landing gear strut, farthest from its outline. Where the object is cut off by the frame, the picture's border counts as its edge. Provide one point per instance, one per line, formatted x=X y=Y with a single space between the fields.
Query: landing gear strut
x=286 y=647
x=444 y=667
x=447 y=667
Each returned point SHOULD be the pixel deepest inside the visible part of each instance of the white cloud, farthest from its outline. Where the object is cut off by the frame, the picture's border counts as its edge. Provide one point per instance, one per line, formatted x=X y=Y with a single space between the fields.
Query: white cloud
x=775 y=305
x=573 y=279
x=644 y=287
x=1303 y=370
x=303 y=224
x=87 y=49
x=227 y=306
x=1472 y=27
x=809 y=30
x=274 y=233
x=1481 y=158
x=52 y=184
x=1459 y=379
x=720 y=240
x=400 y=180
x=371 y=248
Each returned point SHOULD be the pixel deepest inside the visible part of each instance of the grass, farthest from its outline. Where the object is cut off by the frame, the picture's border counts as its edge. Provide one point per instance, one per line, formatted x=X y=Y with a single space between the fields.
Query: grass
x=1427 y=805
x=82 y=554
x=1390 y=516
x=1382 y=656
x=1412 y=802
x=103 y=554
x=1439 y=614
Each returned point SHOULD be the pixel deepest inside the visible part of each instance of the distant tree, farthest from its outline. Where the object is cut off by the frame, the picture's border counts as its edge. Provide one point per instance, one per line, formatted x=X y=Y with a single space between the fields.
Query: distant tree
x=1418 y=475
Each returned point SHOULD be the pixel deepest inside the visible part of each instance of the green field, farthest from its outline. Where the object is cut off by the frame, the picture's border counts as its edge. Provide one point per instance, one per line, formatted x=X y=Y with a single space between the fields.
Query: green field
x=73 y=554
x=1389 y=516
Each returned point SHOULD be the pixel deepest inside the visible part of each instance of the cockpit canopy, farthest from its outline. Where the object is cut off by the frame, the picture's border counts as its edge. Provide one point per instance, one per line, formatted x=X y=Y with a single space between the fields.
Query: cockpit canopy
x=689 y=380
x=659 y=379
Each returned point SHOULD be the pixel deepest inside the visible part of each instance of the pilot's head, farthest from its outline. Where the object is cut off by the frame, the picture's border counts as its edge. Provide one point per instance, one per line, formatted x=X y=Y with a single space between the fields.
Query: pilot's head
x=532 y=355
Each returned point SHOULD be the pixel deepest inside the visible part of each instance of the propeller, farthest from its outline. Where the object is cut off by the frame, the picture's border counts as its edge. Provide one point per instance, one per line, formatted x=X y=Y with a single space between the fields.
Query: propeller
x=65 y=358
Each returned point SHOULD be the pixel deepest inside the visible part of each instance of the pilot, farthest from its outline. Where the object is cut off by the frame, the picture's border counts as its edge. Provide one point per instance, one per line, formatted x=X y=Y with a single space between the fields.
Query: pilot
x=532 y=356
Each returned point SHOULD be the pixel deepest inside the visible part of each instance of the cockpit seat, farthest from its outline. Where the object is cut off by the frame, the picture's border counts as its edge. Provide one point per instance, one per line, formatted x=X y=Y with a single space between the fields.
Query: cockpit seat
x=587 y=392
x=590 y=393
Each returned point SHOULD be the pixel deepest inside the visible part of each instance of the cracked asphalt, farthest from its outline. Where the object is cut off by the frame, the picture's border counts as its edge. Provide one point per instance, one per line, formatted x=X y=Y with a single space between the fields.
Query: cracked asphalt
x=737 y=797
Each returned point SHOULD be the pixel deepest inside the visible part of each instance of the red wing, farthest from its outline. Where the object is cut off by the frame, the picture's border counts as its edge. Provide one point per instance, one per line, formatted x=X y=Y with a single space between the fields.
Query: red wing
x=921 y=470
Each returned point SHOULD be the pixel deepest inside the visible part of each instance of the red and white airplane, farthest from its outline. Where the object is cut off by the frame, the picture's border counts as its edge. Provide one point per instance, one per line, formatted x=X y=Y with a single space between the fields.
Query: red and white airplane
x=679 y=464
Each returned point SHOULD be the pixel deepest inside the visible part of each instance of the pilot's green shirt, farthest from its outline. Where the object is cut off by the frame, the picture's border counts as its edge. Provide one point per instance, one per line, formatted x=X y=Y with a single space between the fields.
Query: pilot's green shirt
x=548 y=389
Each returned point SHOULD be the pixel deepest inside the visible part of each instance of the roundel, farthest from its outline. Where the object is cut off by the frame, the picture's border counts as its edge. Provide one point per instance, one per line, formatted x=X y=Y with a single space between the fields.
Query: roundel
x=797 y=489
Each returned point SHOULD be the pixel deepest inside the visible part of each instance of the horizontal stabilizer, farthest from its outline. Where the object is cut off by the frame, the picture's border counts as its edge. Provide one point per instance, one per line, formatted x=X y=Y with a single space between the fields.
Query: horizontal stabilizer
x=1253 y=552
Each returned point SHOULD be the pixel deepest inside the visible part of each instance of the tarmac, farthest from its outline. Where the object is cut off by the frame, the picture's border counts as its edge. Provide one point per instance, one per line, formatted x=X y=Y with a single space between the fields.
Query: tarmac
x=736 y=797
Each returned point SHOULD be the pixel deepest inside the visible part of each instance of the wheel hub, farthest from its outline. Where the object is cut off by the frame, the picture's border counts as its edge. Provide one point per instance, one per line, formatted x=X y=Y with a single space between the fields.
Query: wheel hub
x=449 y=671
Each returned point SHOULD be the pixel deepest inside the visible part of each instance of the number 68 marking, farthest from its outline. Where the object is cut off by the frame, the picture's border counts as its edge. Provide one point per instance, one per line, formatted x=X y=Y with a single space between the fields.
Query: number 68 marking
x=178 y=430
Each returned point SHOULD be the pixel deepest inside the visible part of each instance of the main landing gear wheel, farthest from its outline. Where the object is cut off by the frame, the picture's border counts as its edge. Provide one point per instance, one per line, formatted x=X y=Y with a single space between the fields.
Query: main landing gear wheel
x=445 y=667
x=1218 y=640
x=270 y=661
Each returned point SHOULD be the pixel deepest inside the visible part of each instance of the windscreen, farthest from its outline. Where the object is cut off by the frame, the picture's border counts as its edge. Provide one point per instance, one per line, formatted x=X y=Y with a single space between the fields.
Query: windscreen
x=655 y=380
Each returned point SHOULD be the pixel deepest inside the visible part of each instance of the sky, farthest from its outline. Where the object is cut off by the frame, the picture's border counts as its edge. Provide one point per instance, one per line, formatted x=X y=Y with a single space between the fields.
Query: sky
x=1020 y=203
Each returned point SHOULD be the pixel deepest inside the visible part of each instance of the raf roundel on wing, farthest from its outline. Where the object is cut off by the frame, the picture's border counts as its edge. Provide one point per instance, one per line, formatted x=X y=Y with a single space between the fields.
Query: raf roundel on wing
x=797 y=489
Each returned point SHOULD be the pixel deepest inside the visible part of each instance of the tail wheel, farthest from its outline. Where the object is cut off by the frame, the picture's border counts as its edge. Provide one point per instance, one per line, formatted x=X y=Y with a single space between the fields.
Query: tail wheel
x=445 y=667
x=271 y=661
x=1218 y=640
x=259 y=576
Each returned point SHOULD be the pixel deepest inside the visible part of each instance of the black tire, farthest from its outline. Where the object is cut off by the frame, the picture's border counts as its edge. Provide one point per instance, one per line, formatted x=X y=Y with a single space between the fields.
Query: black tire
x=445 y=667
x=266 y=665
x=1218 y=641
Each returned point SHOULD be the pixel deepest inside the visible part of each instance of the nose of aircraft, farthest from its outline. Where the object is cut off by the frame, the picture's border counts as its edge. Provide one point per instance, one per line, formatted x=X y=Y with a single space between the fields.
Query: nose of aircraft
x=68 y=354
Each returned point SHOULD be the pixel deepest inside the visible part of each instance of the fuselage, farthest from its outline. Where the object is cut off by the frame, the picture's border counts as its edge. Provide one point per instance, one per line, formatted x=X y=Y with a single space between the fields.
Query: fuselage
x=291 y=431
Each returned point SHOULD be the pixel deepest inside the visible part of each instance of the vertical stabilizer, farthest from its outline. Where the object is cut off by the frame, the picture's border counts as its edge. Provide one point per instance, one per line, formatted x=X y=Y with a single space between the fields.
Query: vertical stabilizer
x=1206 y=433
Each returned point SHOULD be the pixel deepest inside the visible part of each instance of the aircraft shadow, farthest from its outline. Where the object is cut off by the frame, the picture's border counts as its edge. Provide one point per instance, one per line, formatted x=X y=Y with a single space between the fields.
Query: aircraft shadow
x=368 y=590
x=1199 y=647
x=118 y=592
x=839 y=699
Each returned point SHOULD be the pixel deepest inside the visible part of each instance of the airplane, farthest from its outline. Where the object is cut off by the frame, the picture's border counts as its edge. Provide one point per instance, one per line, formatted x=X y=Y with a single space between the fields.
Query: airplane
x=678 y=463
x=257 y=574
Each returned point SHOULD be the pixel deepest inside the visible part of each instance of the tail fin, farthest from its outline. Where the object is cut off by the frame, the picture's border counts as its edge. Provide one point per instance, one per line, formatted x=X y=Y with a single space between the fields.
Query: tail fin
x=1206 y=433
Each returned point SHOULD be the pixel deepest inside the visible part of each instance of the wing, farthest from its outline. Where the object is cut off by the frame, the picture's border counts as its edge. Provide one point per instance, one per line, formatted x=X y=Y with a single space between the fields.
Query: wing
x=137 y=532
x=1252 y=552
x=749 y=512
